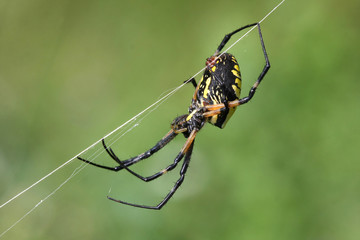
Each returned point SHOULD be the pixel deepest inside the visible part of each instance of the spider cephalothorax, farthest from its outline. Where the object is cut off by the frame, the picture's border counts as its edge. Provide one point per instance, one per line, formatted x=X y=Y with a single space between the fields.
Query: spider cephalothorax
x=215 y=99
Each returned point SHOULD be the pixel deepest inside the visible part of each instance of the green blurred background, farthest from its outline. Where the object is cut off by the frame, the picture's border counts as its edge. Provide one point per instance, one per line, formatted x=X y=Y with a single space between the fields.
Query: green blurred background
x=285 y=167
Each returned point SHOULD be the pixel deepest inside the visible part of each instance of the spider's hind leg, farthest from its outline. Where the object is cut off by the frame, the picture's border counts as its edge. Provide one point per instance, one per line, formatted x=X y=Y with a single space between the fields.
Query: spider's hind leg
x=185 y=151
x=128 y=162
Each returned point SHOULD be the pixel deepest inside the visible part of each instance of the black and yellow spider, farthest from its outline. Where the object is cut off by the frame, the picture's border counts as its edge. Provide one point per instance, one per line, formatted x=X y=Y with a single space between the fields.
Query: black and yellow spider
x=215 y=100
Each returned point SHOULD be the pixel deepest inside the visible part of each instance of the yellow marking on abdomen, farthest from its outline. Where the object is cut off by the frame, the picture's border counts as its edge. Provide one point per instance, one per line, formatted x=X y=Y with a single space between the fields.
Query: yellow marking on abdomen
x=237 y=67
x=236 y=73
x=236 y=90
x=206 y=90
x=233 y=59
x=237 y=86
x=213 y=119
x=238 y=82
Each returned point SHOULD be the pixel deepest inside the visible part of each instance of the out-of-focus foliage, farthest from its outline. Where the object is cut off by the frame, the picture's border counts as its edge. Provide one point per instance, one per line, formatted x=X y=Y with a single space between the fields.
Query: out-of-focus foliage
x=285 y=167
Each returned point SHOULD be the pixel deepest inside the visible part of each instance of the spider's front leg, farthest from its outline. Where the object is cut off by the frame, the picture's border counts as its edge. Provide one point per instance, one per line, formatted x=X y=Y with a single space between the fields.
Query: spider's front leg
x=192 y=80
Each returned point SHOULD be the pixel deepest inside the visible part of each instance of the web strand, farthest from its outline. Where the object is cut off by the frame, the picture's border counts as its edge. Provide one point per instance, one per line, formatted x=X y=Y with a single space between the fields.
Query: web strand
x=149 y=109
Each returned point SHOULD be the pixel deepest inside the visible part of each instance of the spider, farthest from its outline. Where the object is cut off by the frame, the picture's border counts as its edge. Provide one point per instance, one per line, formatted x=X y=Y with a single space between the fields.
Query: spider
x=215 y=100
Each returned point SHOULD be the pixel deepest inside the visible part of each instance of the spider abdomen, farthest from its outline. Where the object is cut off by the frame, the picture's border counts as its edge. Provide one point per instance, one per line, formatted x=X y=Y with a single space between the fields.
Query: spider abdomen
x=220 y=83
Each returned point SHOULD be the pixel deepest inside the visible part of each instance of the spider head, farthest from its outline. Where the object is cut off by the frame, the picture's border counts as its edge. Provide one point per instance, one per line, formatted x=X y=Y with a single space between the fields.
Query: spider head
x=179 y=124
x=210 y=62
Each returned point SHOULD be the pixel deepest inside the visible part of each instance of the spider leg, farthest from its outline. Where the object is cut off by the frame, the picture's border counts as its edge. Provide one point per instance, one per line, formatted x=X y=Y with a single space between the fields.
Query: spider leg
x=187 y=151
x=262 y=74
x=116 y=159
x=126 y=163
x=171 y=166
x=228 y=36
x=97 y=165
x=192 y=80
